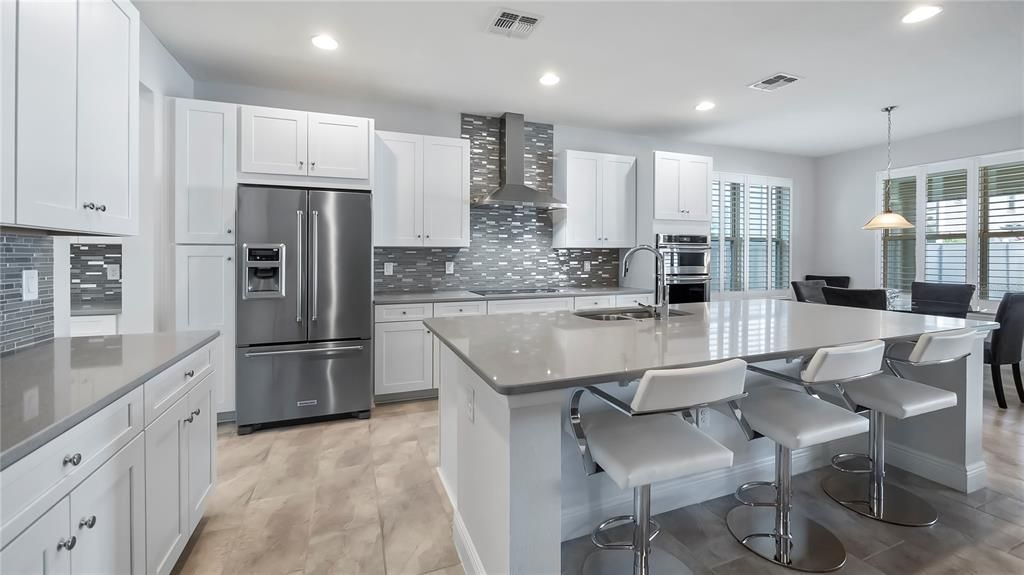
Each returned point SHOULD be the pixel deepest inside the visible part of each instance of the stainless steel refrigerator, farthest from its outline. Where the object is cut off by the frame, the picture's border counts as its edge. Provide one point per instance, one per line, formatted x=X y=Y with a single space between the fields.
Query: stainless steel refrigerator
x=304 y=308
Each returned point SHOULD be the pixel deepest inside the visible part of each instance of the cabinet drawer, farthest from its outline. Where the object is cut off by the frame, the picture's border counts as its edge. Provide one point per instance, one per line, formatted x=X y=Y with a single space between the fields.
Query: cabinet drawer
x=174 y=382
x=529 y=305
x=453 y=308
x=403 y=312
x=595 y=302
x=634 y=299
x=33 y=484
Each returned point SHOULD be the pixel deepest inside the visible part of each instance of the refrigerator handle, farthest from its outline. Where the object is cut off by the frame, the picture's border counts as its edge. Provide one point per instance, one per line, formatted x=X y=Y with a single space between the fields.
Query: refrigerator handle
x=316 y=265
x=298 y=263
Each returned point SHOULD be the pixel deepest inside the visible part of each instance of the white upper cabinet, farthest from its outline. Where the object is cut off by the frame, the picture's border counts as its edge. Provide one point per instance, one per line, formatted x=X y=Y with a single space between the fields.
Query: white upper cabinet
x=682 y=187
x=76 y=117
x=600 y=191
x=421 y=194
x=339 y=146
x=292 y=147
x=205 y=160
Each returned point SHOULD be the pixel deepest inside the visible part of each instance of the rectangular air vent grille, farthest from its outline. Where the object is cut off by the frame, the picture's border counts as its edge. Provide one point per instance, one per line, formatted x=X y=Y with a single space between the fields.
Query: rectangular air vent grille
x=775 y=82
x=513 y=24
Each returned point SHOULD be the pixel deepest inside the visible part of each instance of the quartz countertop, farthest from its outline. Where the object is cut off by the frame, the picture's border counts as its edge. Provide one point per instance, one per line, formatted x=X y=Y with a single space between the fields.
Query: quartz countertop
x=525 y=353
x=50 y=387
x=385 y=298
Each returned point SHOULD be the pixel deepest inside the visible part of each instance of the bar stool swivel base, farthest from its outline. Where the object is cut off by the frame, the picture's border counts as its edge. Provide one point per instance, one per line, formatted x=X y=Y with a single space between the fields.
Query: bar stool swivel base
x=812 y=547
x=614 y=562
x=898 y=507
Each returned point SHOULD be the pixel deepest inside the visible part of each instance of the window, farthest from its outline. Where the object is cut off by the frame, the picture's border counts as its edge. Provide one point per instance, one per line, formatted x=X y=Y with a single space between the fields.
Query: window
x=750 y=233
x=1001 y=229
x=945 y=214
x=899 y=249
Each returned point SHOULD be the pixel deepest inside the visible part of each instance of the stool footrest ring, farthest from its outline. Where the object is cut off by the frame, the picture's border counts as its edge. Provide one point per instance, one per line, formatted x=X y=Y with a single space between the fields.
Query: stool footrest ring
x=742 y=489
x=840 y=461
x=626 y=546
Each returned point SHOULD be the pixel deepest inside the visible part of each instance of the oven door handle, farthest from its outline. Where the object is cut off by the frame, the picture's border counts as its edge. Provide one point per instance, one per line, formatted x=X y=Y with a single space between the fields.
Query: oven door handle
x=685 y=249
x=305 y=351
x=684 y=280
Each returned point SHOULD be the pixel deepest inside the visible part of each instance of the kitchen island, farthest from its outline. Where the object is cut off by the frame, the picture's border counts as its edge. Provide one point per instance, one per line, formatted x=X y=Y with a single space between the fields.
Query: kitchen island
x=514 y=476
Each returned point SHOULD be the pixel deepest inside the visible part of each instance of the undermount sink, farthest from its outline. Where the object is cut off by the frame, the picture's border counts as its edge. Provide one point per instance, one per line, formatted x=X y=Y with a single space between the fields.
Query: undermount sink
x=621 y=314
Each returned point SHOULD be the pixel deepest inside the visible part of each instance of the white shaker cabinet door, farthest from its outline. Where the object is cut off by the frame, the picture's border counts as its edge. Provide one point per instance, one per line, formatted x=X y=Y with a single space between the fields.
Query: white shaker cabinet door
x=167 y=520
x=682 y=186
x=618 y=202
x=403 y=352
x=398 y=191
x=202 y=436
x=46 y=178
x=108 y=515
x=273 y=141
x=583 y=195
x=205 y=299
x=445 y=192
x=42 y=549
x=339 y=146
x=205 y=171
x=108 y=111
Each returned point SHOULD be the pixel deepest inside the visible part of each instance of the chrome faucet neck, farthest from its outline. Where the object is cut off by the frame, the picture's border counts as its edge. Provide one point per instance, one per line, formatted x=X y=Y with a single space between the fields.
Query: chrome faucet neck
x=660 y=288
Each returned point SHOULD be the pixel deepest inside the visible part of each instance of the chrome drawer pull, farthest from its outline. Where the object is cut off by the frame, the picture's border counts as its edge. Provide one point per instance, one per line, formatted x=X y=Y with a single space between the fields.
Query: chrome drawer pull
x=191 y=417
x=190 y=373
x=73 y=459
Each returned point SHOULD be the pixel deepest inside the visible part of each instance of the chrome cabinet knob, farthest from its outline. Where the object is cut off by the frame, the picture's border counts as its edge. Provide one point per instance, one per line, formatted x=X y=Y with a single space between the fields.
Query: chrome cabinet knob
x=190 y=418
x=190 y=373
x=229 y=230
x=229 y=258
x=89 y=206
x=312 y=165
x=74 y=459
x=88 y=522
x=418 y=236
x=428 y=236
x=102 y=207
x=68 y=543
x=197 y=411
x=300 y=164
x=403 y=313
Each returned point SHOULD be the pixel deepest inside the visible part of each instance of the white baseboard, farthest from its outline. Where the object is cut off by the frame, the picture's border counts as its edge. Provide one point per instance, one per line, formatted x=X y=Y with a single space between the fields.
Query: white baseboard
x=669 y=495
x=471 y=562
x=955 y=476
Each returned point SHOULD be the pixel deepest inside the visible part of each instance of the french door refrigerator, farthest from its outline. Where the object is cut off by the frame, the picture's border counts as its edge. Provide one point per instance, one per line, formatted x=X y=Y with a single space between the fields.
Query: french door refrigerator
x=304 y=307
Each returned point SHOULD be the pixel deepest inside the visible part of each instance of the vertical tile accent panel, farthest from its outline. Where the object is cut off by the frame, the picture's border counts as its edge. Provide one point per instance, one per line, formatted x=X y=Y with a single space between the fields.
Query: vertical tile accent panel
x=23 y=323
x=510 y=247
x=90 y=283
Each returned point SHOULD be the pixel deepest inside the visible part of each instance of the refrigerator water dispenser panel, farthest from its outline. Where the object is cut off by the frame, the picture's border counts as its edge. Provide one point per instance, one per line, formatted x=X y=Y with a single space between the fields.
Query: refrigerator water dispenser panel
x=264 y=271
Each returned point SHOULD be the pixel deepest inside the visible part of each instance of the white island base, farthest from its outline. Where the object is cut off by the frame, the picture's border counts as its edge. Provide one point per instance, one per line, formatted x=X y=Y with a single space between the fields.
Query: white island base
x=517 y=486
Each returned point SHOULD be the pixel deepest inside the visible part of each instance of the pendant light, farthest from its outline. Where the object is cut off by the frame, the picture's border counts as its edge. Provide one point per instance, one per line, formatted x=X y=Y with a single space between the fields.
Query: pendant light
x=888 y=220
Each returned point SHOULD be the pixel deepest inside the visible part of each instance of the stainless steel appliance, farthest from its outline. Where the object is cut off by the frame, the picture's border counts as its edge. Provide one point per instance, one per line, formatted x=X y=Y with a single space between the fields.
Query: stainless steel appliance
x=304 y=307
x=687 y=267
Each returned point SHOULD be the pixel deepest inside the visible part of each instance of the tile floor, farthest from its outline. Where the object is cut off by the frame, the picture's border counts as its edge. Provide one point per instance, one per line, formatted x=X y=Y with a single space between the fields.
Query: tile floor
x=362 y=497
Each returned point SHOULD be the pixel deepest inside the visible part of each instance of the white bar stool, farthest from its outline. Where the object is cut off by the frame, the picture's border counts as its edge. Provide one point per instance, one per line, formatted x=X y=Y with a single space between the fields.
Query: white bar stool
x=648 y=440
x=795 y=419
x=864 y=490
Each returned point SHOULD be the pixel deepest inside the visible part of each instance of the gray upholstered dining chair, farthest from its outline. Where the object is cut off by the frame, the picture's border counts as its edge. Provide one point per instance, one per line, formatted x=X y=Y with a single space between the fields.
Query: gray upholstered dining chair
x=952 y=300
x=864 y=298
x=1005 y=346
x=831 y=281
x=809 y=291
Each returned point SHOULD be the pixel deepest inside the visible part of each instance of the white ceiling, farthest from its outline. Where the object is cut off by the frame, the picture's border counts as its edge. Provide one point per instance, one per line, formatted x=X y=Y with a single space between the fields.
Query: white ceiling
x=638 y=67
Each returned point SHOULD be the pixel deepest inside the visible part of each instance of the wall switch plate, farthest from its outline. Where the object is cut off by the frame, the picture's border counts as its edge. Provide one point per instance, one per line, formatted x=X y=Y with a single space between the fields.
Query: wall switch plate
x=113 y=271
x=449 y=267
x=29 y=285
x=703 y=414
x=389 y=268
x=471 y=404
x=586 y=266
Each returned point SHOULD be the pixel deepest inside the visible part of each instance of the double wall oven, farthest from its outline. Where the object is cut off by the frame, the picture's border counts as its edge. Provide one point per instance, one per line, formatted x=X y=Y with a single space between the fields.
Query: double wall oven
x=687 y=267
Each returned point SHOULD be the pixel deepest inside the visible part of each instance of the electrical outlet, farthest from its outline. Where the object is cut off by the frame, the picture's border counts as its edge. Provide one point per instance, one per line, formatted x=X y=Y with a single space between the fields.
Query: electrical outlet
x=586 y=266
x=389 y=268
x=449 y=267
x=703 y=414
x=29 y=285
x=471 y=404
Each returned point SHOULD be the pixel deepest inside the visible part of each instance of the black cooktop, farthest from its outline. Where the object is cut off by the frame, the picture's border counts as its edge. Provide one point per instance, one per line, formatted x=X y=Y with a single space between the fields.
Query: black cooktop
x=490 y=292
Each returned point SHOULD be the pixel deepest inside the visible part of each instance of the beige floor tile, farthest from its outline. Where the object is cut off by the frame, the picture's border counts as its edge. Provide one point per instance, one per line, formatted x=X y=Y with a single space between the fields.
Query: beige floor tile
x=400 y=474
x=207 y=553
x=405 y=408
x=357 y=551
x=345 y=500
x=269 y=550
x=390 y=430
x=417 y=533
x=453 y=570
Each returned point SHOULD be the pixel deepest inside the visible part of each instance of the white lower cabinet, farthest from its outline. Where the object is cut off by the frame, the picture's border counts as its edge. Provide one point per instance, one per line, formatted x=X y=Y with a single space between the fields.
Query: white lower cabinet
x=403 y=357
x=530 y=305
x=42 y=548
x=634 y=299
x=202 y=434
x=167 y=524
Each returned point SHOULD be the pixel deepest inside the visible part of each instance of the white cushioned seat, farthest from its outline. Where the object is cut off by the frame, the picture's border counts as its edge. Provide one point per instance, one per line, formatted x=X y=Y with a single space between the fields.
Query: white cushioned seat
x=899 y=398
x=637 y=451
x=795 y=419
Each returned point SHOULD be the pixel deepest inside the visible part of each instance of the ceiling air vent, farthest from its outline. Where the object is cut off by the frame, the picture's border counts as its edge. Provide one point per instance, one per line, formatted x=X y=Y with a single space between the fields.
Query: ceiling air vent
x=513 y=24
x=775 y=82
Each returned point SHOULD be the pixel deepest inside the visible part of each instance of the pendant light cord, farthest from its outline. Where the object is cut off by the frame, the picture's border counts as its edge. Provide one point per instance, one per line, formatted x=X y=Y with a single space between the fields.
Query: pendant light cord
x=888 y=168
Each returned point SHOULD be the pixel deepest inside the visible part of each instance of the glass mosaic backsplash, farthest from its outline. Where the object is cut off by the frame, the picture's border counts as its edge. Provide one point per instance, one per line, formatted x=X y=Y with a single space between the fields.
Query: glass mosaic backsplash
x=23 y=323
x=96 y=274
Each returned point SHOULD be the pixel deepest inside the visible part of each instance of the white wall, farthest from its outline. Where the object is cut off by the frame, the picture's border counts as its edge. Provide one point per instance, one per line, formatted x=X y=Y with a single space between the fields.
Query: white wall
x=846 y=197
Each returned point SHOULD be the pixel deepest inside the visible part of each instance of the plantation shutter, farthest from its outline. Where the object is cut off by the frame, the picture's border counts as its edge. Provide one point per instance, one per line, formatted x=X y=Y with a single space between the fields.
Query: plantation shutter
x=732 y=235
x=780 y=236
x=946 y=227
x=899 y=260
x=757 y=238
x=716 y=235
x=1001 y=229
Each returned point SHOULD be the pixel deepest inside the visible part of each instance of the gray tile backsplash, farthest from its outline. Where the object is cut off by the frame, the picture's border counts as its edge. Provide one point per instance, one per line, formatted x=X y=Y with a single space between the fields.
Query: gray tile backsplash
x=509 y=246
x=96 y=273
x=23 y=323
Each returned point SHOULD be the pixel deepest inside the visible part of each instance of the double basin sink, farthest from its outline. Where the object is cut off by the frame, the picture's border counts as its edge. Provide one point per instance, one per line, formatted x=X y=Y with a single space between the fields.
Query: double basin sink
x=624 y=313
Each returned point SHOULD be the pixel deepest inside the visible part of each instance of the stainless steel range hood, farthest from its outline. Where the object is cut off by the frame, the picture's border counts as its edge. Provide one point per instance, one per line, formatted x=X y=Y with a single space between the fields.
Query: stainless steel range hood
x=513 y=190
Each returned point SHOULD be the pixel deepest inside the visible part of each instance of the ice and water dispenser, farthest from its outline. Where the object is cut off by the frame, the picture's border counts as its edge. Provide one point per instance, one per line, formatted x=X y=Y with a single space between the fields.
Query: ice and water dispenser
x=264 y=271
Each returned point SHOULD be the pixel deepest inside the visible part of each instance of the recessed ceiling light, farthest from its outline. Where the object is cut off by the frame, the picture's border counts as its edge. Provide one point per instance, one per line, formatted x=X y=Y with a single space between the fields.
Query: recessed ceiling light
x=920 y=14
x=325 y=42
x=550 y=79
x=705 y=106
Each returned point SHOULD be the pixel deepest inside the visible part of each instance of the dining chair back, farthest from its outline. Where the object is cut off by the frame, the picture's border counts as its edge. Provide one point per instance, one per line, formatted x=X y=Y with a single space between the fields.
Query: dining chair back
x=809 y=291
x=864 y=298
x=952 y=300
x=831 y=281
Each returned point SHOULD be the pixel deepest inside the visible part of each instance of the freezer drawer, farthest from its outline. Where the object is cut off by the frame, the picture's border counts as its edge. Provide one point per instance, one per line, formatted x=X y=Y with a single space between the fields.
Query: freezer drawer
x=278 y=383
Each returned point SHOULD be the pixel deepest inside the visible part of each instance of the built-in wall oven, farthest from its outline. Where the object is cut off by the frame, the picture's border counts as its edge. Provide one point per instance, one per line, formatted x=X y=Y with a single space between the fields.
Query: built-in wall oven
x=687 y=266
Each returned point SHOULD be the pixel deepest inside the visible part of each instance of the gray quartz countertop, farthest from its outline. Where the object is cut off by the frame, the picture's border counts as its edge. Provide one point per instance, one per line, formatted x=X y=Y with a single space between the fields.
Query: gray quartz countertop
x=525 y=353
x=51 y=387
x=385 y=298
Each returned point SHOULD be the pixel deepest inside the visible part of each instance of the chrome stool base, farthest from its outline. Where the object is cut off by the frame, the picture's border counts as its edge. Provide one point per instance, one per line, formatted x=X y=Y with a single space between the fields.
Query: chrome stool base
x=813 y=548
x=899 y=506
x=617 y=562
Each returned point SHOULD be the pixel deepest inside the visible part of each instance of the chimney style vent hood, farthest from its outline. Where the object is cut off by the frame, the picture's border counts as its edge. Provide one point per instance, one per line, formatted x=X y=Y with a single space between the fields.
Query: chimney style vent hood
x=513 y=191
